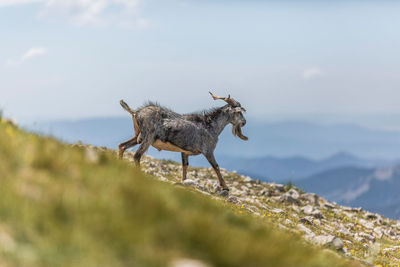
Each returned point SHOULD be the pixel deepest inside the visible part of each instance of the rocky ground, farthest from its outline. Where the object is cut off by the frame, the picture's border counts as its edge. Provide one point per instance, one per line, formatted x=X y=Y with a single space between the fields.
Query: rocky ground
x=351 y=232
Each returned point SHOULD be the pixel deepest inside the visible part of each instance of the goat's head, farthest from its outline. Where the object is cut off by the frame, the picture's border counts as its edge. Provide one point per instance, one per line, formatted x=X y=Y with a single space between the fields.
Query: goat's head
x=235 y=113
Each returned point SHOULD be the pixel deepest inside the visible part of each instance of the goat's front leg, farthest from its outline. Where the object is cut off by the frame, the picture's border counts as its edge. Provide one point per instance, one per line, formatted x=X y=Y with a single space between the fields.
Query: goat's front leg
x=185 y=163
x=211 y=159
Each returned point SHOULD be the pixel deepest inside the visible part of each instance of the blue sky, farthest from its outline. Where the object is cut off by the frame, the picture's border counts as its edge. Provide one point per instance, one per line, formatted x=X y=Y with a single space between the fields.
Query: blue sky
x=313 y=60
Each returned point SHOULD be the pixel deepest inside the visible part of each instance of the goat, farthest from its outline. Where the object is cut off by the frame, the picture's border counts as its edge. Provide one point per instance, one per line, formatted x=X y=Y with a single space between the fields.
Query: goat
x=190 y=134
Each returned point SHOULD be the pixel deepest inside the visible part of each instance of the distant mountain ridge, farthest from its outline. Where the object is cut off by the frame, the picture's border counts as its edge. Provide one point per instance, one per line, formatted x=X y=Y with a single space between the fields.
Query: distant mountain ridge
x=375 y=189
x=294 y=168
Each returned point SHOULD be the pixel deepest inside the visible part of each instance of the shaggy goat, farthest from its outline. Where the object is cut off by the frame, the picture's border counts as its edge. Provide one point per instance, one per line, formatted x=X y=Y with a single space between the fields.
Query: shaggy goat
x=190 y=134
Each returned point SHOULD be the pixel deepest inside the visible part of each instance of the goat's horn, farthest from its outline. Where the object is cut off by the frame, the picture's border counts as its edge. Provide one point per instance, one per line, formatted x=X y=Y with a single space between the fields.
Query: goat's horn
x=228 y=99
x=217 y=97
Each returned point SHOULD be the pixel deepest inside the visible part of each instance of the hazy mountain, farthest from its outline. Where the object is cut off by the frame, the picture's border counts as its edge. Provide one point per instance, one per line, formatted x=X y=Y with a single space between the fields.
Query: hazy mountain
x=294 y=168
x=107 y=132
x=373 y=189
x=286 y=139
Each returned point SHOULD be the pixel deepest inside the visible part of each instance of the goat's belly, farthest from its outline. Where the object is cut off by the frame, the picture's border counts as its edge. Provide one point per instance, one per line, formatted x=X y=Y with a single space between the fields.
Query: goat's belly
x=160 y=145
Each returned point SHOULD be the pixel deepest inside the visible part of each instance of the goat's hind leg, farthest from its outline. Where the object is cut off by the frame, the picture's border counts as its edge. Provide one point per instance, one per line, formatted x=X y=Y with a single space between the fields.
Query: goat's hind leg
x=131 y=142
x=125 y=145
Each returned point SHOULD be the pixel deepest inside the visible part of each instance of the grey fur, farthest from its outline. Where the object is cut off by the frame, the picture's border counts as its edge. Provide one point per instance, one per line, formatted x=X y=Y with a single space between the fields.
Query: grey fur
x=195 y=133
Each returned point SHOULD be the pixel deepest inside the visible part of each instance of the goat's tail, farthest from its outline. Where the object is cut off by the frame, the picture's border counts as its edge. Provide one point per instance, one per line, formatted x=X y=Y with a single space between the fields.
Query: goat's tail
x=126 y=107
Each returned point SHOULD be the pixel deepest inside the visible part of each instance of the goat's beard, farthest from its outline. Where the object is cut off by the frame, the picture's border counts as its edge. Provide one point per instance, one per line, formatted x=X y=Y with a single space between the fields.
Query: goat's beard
x=237 y=130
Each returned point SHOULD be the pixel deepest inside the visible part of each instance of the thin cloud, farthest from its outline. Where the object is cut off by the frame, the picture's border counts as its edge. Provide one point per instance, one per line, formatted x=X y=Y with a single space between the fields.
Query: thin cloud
x=4 y=3
x=88 y=12
x=311 y=73
x=93 y=12
x=28 y=55
x=34 y=52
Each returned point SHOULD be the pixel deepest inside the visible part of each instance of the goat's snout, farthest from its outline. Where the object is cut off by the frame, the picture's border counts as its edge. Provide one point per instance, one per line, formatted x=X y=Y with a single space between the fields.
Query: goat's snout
x=243 y=123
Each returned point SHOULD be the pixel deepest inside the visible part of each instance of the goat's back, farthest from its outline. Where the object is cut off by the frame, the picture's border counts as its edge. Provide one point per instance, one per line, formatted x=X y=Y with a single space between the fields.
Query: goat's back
x=155 y=111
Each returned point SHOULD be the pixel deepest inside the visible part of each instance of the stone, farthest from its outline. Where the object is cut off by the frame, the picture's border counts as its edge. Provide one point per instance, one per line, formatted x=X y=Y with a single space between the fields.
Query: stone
x=359 y=239
x=307 y=209
x=91 y=155
x=212 y=186
x=397 y=225
x=293 y=193
x=389 y=232
x=281 y=226
x=379 y=220
x=251 y=209
x=184 y=262
x=368 y=225
x=162 y=178
x=323 y=239
x=277 y=211
x=378 y=232
x=359 y=209
x=337 y=243
x=290 y=197
x=190 y=182
x=312 y=198
x=279 y=187
x=247 y=179
x=223 y=193
x=310 y=210
x=348 y=214
x=336 y=211
x=287 y=221
x=329 y=240
x=233 y=199
x=391 y=249
x=365 y=237
x=329 y=205
x=305 y=230
x=344 y=231
x=295 y=208
x=306 y=220
x=263 y=192
x=370 y=216
x=235 y=191
x=7 y=242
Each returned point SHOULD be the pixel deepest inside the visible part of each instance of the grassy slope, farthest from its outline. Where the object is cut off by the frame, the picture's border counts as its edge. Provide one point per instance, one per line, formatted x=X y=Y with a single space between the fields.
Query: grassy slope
x=65 y=206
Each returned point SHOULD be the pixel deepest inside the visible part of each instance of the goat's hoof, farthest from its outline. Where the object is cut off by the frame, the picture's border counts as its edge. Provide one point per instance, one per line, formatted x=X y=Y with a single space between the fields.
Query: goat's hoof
x=223 y=193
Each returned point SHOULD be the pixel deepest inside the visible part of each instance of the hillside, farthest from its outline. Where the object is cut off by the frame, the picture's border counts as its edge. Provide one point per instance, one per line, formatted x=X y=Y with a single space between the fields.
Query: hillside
x=63 y=205
x=352 y=232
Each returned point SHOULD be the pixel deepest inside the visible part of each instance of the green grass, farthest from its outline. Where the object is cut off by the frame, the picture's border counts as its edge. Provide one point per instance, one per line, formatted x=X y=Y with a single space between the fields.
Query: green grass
x=62 y=205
